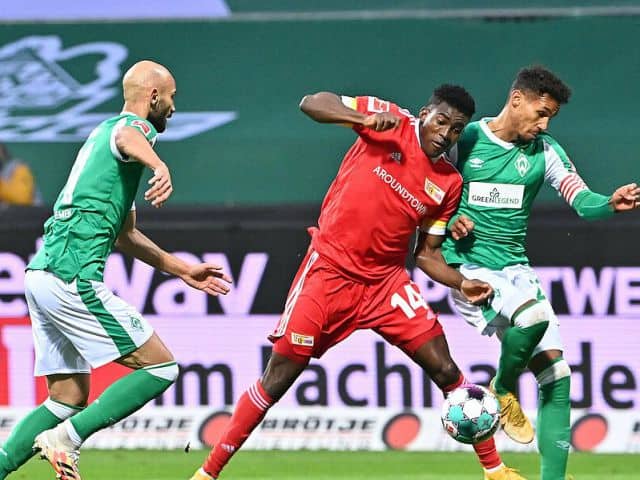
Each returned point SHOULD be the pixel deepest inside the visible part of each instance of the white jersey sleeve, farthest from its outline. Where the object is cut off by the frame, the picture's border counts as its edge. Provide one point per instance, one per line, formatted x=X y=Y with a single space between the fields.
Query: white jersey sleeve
x=560 y=172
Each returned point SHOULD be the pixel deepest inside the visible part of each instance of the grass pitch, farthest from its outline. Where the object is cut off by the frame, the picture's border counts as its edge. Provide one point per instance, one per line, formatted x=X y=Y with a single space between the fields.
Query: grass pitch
x=323 y=465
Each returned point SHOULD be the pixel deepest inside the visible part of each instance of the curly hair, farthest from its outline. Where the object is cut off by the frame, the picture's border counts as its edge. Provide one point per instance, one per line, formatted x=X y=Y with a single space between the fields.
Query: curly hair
x=540 y=80
x=456 y=96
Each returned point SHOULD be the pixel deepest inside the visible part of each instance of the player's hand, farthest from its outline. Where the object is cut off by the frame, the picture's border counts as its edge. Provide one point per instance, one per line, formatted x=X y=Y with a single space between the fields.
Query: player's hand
x=625 y=198
x=209 y=278
x=161 y=186
x=461 y=227
x=476 y=292
x=381 y=121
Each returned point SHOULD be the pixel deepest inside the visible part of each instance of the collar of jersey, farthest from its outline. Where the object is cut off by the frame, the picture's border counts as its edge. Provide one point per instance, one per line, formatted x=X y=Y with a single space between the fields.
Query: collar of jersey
x=492 y=136
x=416 y=128
x=124 y=112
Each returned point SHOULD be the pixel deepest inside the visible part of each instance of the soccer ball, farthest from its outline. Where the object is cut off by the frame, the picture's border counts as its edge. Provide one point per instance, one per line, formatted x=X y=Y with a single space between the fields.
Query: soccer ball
x=470 y=414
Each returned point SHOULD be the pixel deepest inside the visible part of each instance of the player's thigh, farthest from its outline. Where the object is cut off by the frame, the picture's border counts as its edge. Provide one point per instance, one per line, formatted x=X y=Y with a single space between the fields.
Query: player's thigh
x=54 y=352
x=152 y=352
x=319 y=313
x=101 y=326
x=402 y=316
x=508 y=297
x=551 y=340
x=298 y=331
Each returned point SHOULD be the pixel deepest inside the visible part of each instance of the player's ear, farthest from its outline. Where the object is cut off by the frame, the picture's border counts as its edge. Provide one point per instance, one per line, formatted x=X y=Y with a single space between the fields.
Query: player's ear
x=516 y=97
x=154 y=97
x=424 y=111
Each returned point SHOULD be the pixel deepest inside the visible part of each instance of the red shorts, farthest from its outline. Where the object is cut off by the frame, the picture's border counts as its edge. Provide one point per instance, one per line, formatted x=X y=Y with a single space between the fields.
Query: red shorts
x=324 y=307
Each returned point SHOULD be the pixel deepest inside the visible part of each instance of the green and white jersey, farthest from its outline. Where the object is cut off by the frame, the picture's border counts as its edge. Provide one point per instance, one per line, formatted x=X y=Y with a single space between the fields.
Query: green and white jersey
x=501 y=180
x=93 y=205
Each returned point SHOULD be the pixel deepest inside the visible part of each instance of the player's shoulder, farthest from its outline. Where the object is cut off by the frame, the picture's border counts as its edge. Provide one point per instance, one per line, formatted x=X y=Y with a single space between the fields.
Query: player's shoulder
x=446 y=167
x=546 y=142
x=471 y=134
x=142 y=124
x=546 y=137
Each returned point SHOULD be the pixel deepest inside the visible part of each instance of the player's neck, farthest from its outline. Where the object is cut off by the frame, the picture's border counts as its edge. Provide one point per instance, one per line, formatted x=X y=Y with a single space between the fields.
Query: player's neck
x=135 y=108
x=502 y=127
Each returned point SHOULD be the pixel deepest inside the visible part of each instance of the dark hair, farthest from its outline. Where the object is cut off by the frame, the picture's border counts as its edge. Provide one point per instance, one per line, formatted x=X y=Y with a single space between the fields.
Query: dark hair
x=456 y=96
x=539 y=80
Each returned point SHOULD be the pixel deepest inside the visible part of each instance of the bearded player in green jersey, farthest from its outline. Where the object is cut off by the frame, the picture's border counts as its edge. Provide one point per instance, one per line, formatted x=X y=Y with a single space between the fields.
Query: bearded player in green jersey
x=504 y=161
x=78 y=324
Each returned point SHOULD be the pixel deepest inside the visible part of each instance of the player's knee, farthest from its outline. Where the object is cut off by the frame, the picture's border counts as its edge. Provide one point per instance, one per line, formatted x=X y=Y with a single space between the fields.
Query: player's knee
x=536 y=314
x=168 y=372
x=556 y=371
x=280 y=374
x=447 y=374
x=76 y=400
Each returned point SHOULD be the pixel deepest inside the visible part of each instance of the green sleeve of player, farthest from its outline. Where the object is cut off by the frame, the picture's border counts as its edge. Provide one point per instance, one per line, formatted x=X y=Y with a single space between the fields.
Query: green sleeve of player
x=592 y=206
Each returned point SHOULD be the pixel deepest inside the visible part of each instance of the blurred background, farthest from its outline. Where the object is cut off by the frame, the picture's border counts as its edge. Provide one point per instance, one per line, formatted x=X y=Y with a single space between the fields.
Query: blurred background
x=250 y=172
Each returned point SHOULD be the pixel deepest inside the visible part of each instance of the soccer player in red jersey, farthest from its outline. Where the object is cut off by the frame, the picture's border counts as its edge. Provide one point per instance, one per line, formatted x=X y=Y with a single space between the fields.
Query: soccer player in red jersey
x=394 y=179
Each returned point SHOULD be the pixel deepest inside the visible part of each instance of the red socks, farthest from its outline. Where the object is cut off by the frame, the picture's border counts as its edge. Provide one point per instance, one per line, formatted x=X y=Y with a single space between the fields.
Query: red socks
x=249 y=412
x=486 y=451
x=487 y=454
x=254 y=404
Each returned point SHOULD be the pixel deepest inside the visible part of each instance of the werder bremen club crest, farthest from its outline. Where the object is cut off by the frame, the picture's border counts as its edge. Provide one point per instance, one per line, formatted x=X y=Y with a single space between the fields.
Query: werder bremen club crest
x=522 y=165
x=41 y=100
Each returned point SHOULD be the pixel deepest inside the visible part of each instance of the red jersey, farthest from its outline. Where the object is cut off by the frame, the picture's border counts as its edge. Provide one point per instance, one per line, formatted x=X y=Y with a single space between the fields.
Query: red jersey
x=386 y=187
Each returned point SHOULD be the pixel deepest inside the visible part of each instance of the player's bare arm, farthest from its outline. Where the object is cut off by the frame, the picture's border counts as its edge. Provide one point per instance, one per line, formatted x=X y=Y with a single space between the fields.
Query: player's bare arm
x=327 y=107
x=133 y=144
x=207 y=277
x=429 y=259
x=625 y=198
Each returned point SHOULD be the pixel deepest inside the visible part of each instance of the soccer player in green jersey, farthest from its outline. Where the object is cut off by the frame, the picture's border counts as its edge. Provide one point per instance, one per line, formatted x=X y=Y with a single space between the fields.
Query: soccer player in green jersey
x=78 y=323
x=504 y=161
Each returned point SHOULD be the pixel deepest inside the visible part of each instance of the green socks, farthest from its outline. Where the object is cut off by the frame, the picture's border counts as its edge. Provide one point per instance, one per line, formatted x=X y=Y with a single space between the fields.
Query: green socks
x=123 y=398
x=518 y=344
x=18 y=447
x=553 y=425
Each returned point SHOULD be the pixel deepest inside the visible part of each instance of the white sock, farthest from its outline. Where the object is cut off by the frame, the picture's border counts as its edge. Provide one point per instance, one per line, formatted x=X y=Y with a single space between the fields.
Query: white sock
x=76 y=441
x=494 y=469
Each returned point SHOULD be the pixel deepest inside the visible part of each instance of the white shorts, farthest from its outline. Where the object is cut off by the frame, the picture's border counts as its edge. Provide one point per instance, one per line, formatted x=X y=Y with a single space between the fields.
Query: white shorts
x=513 y=286
x=79 y=325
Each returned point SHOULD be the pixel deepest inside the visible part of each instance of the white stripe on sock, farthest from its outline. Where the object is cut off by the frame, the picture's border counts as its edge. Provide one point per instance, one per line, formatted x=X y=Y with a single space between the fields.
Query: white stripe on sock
x=258 y=391
x=60 y=410
x=167 y=371
x=256 y=398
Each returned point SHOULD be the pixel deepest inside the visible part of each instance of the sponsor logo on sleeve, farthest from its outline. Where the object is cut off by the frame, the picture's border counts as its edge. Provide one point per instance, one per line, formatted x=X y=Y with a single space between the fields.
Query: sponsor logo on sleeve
x=142 y=126
x=304 y=340
x=377 y=105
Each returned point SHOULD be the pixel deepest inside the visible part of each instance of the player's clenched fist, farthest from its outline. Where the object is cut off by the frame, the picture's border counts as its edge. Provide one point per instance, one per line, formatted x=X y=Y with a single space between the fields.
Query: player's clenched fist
x=477 y=292
x=461 y=227
x=161 y=186
x=381 y=121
